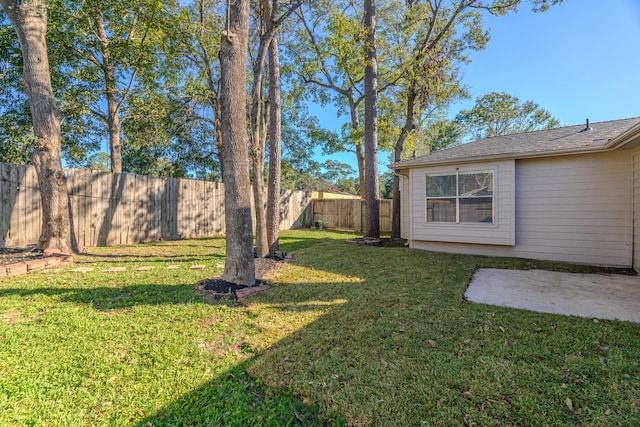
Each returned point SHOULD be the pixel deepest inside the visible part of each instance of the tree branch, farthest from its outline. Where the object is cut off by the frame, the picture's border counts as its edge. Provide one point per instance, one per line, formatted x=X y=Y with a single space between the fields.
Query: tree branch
x=98 y=114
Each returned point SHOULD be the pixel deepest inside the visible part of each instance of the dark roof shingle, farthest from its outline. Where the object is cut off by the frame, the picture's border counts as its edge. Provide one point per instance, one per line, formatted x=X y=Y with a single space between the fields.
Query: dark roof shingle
x=562 y=139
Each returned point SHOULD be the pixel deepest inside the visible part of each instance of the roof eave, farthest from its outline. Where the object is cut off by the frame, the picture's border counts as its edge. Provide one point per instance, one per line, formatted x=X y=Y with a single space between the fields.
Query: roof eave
x=506 y=156
x=625 y=137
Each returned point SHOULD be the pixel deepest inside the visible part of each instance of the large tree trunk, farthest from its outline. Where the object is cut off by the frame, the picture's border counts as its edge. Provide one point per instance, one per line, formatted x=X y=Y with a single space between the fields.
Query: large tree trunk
x=397 y=156
x=371 y=190
x=113 y=119
x=275 y=149
x=30 y=22
x=239 y=265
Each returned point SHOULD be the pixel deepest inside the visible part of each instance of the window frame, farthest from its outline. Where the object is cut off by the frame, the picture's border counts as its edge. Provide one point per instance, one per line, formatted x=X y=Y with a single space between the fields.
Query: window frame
x=457 y=197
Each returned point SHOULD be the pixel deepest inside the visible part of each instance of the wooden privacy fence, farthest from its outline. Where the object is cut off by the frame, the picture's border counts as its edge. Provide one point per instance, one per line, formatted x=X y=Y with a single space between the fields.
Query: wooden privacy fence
x=349 y=214
x=116 y=209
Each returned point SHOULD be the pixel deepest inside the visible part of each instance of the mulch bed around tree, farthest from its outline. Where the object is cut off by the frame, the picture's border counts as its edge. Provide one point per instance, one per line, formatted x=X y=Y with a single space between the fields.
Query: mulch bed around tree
x=222 y=287
x=265 y=268
x=15 y=255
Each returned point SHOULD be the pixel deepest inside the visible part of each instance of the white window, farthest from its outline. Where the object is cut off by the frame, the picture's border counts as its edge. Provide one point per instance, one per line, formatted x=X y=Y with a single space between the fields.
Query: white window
x=460 y=197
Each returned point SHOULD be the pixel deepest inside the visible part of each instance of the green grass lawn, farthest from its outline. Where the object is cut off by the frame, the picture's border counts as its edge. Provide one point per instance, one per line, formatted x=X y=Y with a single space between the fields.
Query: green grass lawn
x=347 y=335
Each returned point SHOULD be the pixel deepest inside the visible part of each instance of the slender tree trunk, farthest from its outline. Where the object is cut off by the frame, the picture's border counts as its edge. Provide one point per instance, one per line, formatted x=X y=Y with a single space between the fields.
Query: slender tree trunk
x=269 y=22
x=361 y=169
x=398 y=151
x=29 y=20
x=113 y=119
x=355 y=124
x=239 y=265
x=115 y=132
x=275 y=149
x=372 y=191
x=217 y=127
x=259 y=136
x=257 y=163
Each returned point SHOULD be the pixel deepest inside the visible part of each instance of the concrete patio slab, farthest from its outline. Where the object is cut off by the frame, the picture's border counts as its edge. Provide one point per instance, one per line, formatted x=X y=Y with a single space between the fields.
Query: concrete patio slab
x=603 y=296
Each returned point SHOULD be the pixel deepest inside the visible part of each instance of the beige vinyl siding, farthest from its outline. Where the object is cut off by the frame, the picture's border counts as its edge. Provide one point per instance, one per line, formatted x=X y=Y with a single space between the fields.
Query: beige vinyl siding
x=404 y=204
x=501 y=232
x=568 y=208
x=636 y=209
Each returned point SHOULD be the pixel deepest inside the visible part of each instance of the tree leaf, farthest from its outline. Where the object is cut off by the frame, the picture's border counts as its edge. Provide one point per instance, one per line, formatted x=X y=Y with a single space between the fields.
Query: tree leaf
x=569 y=404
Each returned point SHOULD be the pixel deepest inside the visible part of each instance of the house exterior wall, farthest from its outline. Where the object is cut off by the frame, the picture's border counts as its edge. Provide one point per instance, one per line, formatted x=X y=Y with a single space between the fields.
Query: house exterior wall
x=636 y=209
x=404 y=204
x=501 y=232
x=568 y=208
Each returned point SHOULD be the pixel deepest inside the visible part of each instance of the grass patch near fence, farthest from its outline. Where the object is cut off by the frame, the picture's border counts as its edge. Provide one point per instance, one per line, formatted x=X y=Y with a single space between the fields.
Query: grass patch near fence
x=347 y=334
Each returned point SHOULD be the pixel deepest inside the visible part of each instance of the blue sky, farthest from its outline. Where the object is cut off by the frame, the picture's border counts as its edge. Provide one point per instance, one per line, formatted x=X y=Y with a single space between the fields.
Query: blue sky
x=579 y=60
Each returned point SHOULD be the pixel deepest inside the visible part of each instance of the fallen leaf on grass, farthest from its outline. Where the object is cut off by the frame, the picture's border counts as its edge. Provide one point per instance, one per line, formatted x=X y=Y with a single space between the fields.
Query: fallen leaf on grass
x=432 y=343
x=537 y=356
x=467 y=395
x=440 y=401
x=569 y=404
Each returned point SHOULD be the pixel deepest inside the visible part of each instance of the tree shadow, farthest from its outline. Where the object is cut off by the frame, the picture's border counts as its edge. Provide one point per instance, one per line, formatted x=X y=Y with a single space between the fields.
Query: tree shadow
x=9 y=187
x=300 y=202
x=114 y=298
x=137 y=259
x=387 y=333
x=236 y=399
x=115 y=197
x=232 y=398
x=169 y=216
x=400 y=349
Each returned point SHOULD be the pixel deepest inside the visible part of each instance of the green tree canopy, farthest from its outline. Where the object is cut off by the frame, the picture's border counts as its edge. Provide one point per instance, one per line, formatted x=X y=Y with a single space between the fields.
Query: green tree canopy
x=16 y=134
x=499 y=113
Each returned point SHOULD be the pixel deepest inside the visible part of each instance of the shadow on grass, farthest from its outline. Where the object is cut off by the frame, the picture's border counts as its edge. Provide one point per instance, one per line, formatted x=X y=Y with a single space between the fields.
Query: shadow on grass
x=382 y=336
x=112 y=298
x=171 y=248
x=394 y=343
x=137 y=259
x=236 y=399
